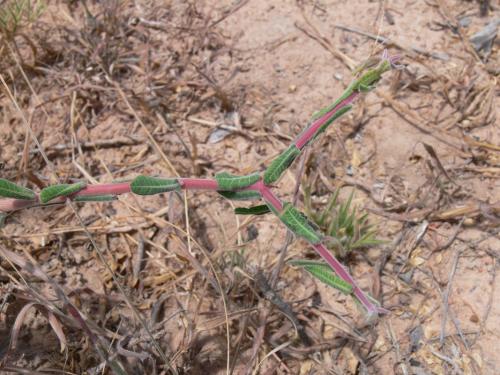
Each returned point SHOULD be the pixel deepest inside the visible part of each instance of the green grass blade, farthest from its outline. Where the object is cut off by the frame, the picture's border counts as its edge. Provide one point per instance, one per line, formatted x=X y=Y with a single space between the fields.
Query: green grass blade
x=368 y=240
x=329 y=207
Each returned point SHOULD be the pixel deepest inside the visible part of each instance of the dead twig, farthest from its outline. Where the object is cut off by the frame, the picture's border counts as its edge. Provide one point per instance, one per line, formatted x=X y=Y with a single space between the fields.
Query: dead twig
x=315 y=34
x=452 y=237
x=276 y=300
x=240 y=4
x=446 y=296
x=391 y=42
x=91 y=145
x=446 y=14
x=430 y=150
x=419 y=123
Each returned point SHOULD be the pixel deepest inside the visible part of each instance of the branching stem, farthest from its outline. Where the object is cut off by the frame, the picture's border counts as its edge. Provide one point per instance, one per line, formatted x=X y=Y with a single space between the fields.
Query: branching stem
x=225 y=182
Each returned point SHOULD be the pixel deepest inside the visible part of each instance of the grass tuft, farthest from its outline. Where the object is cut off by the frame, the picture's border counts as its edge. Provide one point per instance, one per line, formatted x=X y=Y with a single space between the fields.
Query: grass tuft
x=18 y=14
x=347 y=229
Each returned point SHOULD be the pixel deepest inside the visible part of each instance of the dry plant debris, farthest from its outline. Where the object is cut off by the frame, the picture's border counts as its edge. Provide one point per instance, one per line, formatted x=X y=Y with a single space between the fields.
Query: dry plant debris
x=117 y=88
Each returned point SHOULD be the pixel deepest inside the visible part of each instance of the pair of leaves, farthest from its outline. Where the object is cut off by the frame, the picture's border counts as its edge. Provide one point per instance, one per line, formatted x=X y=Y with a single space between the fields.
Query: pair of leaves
x=10 y=190
x=324 y=273
x=368 y=80
x=228 y=183
x=145 y=185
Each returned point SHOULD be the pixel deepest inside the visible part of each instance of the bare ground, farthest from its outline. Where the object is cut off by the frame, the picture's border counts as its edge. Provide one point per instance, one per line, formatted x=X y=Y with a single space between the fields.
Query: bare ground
x=116 y=89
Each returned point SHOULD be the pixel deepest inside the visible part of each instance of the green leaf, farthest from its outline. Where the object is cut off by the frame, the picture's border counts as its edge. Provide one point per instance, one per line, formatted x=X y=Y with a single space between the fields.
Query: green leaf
x=145 y=185
x=368 y=80
x=280 y=164
x=332 y=202
x=324 y=273
x=228 y=181
x=299 y=224
x=11 y=190
x=62 y=190
x=254 y=210
x=116 y=367
x=367 y=240
x=244 y=195
x=335 y=116
x=95 y=198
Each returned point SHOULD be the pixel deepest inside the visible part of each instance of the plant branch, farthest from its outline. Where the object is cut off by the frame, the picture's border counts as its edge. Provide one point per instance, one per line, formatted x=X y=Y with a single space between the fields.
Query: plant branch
x=310 y=133
x=269 y=197
x=115 y=189
x=321 y=249
x=254 y=186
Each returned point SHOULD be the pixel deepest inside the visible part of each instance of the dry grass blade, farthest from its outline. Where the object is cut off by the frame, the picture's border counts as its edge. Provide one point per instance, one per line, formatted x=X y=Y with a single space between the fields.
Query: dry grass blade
x=430 y=150
x=421 y=124
x=391 y=42
x=53 y=321
x=58 y=330
x=112 y=364
x=272 y=352
x=16 y=328
x=315 y=34
x=31 y=268
x=186 y=215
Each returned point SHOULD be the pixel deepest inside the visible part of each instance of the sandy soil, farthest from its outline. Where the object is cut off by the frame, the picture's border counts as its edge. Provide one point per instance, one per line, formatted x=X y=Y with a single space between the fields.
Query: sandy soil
x=116 y=89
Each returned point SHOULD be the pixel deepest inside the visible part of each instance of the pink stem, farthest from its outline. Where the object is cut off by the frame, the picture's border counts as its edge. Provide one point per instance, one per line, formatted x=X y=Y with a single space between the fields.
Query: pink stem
x=11 y=204
x=105 y=189
x=311 y=131
x=339 y=269
x=198 y=184
x=7 y=205
x=268 y=195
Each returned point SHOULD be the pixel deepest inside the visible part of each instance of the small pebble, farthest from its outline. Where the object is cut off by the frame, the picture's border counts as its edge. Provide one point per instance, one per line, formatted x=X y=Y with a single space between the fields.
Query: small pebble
x=465 y=21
